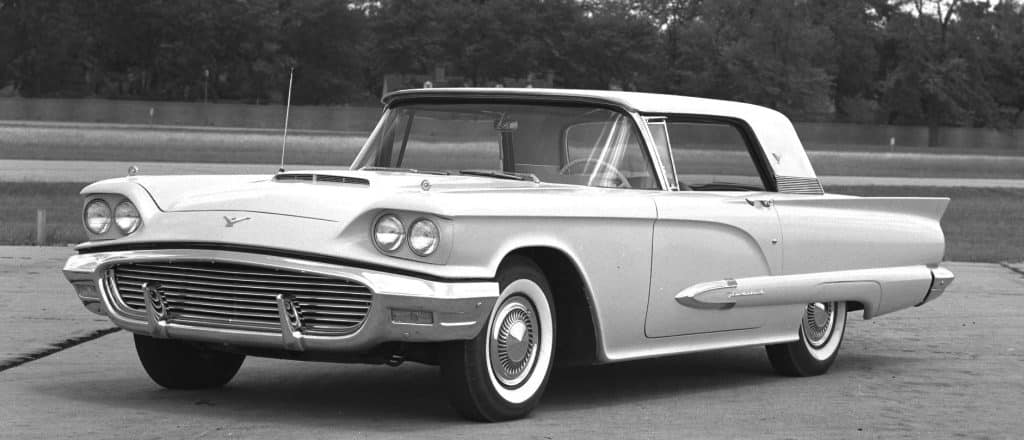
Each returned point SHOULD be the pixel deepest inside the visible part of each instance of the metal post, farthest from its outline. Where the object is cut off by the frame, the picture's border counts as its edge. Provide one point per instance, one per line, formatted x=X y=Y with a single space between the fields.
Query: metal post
x=40 y=227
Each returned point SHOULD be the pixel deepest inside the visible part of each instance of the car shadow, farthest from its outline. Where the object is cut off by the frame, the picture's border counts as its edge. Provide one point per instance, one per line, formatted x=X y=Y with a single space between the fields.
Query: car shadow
x=411 y=396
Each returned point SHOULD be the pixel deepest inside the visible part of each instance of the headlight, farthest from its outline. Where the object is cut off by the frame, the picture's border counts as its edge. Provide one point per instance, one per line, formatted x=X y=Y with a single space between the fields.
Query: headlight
x=126 y=217
x=388 y=233
x=423 y=237
x=97 y=217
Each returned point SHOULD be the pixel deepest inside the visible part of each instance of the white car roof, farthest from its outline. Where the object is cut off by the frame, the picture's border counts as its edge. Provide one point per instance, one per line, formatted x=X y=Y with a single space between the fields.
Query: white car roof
x=773 y=130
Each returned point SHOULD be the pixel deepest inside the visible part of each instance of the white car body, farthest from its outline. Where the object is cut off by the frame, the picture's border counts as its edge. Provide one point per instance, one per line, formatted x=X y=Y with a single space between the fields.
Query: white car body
x=651 y=272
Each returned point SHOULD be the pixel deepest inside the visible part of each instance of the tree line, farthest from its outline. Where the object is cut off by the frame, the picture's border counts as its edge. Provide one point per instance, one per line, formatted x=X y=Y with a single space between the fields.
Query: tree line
x=929 y=62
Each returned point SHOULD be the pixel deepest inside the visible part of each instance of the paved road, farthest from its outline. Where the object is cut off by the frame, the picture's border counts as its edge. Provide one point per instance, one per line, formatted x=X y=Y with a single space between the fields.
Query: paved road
x=954 y=368
x=37 y=306
x=90 y=171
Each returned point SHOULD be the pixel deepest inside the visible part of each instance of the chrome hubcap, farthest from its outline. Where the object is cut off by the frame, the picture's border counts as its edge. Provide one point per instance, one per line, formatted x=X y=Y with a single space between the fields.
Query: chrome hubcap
x=819 y=319
x=513 y=344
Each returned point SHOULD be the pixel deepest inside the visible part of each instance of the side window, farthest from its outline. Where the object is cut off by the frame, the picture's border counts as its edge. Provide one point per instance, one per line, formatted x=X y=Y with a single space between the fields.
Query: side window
x=712 y=157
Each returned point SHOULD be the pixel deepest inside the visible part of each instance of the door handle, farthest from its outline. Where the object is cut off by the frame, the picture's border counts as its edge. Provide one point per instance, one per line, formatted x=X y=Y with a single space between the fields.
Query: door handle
x=766 y=203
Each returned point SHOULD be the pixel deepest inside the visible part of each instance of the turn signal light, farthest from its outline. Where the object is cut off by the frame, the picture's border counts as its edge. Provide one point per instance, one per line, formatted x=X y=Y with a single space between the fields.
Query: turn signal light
x=411 y=317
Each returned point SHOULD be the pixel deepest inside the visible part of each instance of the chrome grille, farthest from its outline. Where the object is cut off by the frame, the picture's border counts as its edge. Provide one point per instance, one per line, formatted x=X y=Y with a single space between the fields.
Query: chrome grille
x=243 y=296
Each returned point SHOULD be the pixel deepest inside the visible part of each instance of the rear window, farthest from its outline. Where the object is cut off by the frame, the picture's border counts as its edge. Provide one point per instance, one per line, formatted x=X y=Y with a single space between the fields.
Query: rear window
x=713 y=157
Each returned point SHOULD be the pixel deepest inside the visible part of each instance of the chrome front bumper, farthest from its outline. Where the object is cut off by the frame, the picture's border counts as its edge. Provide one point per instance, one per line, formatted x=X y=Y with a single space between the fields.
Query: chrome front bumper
x=457 y=310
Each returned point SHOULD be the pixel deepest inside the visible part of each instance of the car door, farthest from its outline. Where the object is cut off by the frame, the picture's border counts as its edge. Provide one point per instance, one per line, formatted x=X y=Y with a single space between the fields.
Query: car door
x=721 y=225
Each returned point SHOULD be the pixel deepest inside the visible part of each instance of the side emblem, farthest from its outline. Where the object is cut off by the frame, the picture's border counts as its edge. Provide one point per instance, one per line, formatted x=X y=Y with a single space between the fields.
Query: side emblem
x=230 y=222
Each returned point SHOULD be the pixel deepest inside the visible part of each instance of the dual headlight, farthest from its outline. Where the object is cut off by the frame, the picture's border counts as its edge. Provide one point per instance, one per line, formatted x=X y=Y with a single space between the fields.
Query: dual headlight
x=422 y=237
x=98 y=217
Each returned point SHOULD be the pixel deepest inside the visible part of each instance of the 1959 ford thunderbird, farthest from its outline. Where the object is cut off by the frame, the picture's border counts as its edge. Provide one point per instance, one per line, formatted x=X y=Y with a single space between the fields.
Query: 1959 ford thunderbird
x=497 y=232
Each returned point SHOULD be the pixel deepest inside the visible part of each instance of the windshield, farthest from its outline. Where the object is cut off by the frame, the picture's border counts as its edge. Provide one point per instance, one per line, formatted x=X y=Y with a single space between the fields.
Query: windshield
x=576 y=145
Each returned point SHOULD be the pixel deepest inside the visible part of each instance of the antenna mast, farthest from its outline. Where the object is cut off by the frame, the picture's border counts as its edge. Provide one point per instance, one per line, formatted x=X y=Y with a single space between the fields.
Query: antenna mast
x=287 y=111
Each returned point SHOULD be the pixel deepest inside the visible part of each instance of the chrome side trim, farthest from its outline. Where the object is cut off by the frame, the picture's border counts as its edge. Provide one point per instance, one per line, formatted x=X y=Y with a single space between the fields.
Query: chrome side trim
x=707 y=295
x=902 y=286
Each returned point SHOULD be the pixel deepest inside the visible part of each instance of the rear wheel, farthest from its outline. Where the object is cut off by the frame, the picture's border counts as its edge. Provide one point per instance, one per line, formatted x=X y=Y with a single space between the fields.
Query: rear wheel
x=821 y=333
x=501 y=374
x=179 y=365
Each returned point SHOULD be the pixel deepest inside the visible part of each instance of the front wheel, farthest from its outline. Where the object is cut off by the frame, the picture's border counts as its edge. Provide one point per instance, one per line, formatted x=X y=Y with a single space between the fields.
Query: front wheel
x=821 y=333
x=178 y=365
x=501 y=374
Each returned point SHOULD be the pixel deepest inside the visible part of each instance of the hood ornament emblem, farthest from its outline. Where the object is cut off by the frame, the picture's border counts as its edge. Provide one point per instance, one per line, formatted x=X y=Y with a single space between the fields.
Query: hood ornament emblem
x=230 y=222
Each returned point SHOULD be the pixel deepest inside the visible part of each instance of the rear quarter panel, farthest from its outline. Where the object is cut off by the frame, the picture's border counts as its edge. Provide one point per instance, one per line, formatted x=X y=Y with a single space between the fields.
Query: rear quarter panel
x=840 y=233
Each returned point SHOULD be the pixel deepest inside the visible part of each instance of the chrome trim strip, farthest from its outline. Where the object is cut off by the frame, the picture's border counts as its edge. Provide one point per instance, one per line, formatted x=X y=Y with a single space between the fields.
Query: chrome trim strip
x=901 y=285
x=703 y=295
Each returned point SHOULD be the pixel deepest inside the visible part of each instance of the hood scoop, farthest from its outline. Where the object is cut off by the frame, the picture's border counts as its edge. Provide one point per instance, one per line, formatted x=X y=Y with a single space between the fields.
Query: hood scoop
x=320 y=178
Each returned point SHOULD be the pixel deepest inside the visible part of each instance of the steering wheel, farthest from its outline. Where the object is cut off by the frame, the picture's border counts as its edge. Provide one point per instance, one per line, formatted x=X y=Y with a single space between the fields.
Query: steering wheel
x=623 y=181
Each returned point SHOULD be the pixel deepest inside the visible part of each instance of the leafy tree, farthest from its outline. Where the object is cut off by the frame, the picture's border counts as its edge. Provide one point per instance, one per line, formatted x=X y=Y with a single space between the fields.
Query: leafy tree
x=933 y=62
x=753 y=52
x=933 y=81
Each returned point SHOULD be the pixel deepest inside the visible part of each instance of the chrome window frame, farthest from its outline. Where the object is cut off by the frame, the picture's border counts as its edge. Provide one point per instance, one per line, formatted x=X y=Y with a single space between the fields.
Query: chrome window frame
x=671 y=181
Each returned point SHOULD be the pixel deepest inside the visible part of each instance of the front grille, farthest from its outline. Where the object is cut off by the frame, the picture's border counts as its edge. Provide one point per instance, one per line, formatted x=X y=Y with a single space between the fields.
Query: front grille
x=238 y=296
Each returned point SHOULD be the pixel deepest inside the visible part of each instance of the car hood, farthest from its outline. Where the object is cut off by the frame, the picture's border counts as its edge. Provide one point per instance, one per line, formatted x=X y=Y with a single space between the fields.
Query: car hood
x=320 y=194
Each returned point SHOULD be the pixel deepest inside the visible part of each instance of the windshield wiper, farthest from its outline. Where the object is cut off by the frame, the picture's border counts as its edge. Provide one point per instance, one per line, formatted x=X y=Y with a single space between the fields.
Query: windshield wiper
x=405 y=170
x=502 y=175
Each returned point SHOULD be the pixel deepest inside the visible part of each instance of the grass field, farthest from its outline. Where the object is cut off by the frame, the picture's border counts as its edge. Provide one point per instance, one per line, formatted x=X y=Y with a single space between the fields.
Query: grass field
x=18 y=205
x=981 y=224
x=141 y=143
x=845 y=163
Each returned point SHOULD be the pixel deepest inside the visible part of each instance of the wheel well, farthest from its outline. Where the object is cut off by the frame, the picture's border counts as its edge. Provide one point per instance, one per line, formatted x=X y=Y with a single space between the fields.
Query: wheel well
x=576 y=341
x=853 y=306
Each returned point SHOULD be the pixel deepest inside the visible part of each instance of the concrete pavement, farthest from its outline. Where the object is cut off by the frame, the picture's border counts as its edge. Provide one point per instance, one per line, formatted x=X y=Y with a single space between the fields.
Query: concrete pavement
x=39 y=309
x=953 y=368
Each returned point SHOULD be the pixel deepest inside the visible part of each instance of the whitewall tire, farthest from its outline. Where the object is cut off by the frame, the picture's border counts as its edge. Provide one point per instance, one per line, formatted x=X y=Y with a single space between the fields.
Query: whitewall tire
x=821 y=333
x=501 y=374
